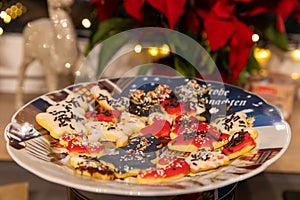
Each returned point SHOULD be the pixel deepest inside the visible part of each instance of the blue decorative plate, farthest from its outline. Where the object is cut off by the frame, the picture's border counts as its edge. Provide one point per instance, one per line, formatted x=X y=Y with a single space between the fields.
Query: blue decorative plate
x=273 y=139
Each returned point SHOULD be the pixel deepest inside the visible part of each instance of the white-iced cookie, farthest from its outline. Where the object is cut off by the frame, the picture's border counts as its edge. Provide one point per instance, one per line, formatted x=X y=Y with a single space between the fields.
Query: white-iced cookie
x=233 y=123
x=120 y=104
x=131 y=123
x=76 y=101
x=59 y=120
x=102 y=96
x=204 y=159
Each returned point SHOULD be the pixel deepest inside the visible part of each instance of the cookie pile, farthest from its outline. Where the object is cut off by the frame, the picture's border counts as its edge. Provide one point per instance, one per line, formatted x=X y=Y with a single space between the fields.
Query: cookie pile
x=150 y=136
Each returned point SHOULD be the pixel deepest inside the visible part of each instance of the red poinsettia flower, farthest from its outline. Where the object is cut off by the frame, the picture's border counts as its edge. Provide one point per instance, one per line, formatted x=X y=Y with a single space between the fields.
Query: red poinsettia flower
x=240 y=48
x=223 y=28
x=192 y=21
x=106 y=9
x=224 y=22
x=172 y=9
x=134 y=8
x=282 y=8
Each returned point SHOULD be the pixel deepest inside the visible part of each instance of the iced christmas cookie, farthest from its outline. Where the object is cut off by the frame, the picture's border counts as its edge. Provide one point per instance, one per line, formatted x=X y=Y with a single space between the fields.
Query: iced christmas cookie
x=87 y=166
x=61 y=119
x=106 y=131
x=159 y=128
x=233 y=123
x=78 y=144
x=128 y=163
x=102 y=96
x=190 y=91
x=107 y=115
x=203 y=159
x=239 y=144
x=184 y=123
x=140 y=101
x=191 y=141
x=121 y=103
x=195 y=135
x=176 y=169
x=165 y=161
x=146 y=143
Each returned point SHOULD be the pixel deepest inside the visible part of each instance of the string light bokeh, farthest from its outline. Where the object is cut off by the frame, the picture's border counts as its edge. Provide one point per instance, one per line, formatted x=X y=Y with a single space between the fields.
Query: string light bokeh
x=14 y=15
x=10 y=13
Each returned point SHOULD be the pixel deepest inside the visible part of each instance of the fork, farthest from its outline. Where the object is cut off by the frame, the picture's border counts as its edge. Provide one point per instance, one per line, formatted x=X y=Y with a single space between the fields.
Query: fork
x=40 y=148
x=25 y=136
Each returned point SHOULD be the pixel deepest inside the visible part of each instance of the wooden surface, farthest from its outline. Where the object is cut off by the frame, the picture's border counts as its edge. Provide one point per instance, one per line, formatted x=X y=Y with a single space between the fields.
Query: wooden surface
x=7 y=107
x=288 y=163
x=7 y=110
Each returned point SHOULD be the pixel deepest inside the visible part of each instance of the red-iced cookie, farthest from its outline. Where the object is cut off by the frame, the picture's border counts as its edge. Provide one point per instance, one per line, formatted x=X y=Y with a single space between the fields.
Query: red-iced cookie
x=177 y=169
x=191 y=141
x=165 y=161
x=185 y=123
x=159 y=128
x=239 y=144
x=173 y=107
x=187 y=130
x=108 y=115
x=78 y=144
x=221 y=138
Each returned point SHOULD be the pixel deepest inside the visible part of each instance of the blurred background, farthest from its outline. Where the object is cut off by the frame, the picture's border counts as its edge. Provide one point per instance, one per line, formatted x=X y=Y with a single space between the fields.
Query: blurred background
x=255 y=44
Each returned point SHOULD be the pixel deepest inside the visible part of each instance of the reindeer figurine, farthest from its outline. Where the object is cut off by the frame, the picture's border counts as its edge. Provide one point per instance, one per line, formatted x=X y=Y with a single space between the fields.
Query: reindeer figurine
x=53 y=42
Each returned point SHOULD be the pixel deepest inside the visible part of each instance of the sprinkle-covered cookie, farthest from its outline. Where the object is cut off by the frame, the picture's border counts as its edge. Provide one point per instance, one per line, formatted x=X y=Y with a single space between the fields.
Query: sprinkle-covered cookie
x=128 y=163
x=146 y=143
x=78 y=144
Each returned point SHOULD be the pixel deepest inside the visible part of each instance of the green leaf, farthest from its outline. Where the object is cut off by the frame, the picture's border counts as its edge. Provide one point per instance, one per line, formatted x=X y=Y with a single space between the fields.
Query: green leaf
x=183 y=67
x=108 y=28
x=265 y=25
x=104 y=31
x=251 y=66
x=143 y=70
x=109 y=48
x=193 y=57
